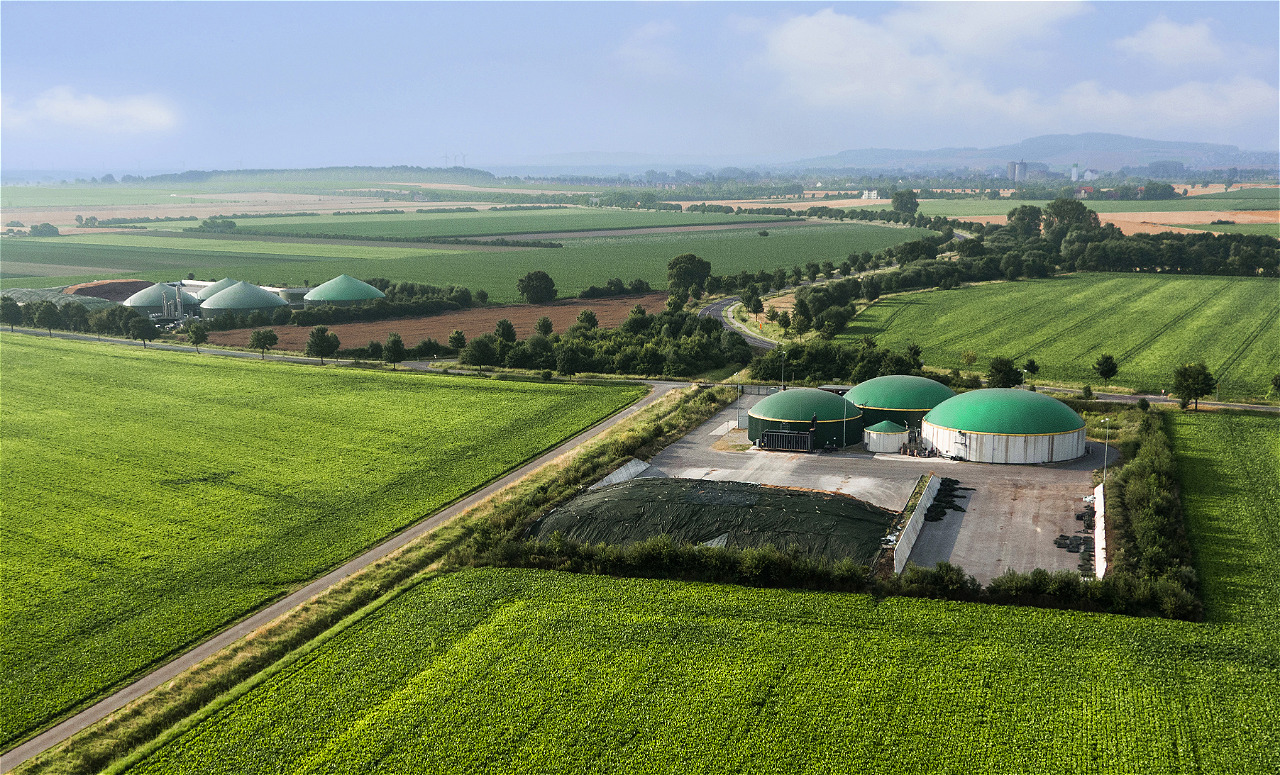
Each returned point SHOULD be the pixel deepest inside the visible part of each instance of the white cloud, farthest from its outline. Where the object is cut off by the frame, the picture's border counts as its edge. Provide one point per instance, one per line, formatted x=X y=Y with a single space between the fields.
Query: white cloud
x=62 y=106
x=647 y=51
x=1169 y=43
x=893 y=72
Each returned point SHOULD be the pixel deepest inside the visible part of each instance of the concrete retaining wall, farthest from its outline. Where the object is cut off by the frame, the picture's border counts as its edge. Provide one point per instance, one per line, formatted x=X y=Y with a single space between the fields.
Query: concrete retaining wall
x=902 y=550
x=1099 y=532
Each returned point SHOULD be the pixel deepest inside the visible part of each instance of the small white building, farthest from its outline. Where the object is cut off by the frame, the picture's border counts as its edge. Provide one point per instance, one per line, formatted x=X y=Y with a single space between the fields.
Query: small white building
x=885 y=436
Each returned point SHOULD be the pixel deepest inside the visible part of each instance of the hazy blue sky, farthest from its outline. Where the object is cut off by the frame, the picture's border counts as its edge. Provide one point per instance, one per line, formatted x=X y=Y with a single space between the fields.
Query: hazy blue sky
x=147 y=86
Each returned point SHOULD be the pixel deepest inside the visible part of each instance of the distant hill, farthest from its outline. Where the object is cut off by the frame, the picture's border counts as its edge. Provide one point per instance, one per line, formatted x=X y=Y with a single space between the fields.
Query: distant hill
x=1090 y=150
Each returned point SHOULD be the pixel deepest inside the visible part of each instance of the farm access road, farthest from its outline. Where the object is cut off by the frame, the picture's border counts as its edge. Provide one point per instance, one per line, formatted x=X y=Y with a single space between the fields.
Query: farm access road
x=180 y=664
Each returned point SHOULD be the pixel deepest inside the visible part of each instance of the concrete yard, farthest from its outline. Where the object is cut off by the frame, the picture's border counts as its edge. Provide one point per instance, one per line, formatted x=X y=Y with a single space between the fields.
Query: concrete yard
x=1011 y=518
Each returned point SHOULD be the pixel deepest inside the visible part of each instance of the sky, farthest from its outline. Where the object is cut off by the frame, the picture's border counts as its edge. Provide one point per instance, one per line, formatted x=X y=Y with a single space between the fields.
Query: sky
x=134 y=87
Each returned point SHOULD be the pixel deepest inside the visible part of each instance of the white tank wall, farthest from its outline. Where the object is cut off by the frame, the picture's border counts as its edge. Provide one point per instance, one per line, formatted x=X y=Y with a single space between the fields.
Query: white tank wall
x=883 y=442
x=994 y=448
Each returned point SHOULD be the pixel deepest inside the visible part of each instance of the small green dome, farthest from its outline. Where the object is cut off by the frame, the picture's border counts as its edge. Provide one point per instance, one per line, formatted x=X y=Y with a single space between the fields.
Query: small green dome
x=344 y=288
x=900 y=391
x=159 y=295
x=243 y=296
x=886 y=427
x=1005 y=411
x=221 y=285
x=801 y=404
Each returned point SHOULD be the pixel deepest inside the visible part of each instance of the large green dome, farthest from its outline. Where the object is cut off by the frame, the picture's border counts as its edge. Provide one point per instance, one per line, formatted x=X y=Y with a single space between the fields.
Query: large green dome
x=900 y=391
x=159 y=295
x=221 y=285
x=801 y=404
x=344 y=288
x=242 y=296
x=1005 y=411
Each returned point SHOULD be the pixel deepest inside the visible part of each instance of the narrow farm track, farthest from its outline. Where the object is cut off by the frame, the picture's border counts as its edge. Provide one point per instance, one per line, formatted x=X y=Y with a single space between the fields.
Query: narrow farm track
x=183 y=662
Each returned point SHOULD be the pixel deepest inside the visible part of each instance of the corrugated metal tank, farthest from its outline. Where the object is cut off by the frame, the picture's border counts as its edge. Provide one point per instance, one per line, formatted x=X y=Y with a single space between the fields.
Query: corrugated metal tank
x=885 y=437
x=1002 y=425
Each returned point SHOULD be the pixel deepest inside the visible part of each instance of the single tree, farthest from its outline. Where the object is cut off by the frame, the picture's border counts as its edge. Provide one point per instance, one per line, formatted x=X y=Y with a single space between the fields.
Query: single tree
x=905 y=202
x=48 y=317
x=1002 y=373
x=321 y=343
x=686 y=271
x=1275 y=383
x=457 y=340
x=394 y=351
x=968 y=358
x=197 y=335
x=1106 y=368
x=506 y=331
x=10 y=311
x=263 y=339
x=543 y=326
x=1191 y=381
x=757 y=306
x=1031 y=368
x=588 y=319
x=143 y=329
x=537 y=287
x=75 y=317
x=1087 y=393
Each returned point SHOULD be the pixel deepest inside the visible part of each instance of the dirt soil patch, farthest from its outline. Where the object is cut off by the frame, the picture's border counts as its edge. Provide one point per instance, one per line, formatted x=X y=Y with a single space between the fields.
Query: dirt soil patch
x=111 y=290
x=472 y=322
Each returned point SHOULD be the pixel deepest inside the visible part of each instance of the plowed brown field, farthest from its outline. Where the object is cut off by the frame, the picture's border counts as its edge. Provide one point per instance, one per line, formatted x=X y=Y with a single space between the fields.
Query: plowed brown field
x=1155 y=223
x=472 y=322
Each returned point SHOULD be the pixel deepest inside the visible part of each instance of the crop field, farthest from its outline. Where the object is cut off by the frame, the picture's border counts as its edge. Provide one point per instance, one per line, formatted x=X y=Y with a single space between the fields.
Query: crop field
x=1149 y=323
x=529 y=671
x=149 y=497
x=1259 y=229
x=580 y=263
x=1228 y=464
x=91 y=196
x=486 y=223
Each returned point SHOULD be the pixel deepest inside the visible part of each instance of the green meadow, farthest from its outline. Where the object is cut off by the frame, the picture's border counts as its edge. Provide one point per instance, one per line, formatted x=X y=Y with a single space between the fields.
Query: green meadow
x=150 y=498
x=1149 y=323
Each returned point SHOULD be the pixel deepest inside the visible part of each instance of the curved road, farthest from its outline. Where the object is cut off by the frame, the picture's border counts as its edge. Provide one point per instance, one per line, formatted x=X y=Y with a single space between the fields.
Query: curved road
x=721 y=311
x=170 y=670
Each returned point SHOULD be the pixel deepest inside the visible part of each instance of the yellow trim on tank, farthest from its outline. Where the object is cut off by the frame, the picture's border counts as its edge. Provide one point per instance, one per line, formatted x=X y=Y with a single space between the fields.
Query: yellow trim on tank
x=775 y=419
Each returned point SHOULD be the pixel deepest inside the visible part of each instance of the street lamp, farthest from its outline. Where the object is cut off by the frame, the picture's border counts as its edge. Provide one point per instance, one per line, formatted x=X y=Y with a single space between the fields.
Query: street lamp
x=784 y=369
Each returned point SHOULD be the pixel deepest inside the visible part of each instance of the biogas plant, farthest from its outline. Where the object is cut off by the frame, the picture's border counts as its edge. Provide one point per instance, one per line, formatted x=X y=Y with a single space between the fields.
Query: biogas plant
x=919 y=417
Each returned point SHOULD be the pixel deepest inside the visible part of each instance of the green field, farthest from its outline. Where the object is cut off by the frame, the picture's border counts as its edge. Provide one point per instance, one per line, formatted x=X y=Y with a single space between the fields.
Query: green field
x=540 y=672
x=1259 y=229
x=583 y=261
x=151 y=497
x=489 y=223
x=1149 y=323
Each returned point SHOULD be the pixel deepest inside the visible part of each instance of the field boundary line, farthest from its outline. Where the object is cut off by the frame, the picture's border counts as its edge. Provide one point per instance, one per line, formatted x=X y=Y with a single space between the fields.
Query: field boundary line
x=1247 y=342
x=1154 y=335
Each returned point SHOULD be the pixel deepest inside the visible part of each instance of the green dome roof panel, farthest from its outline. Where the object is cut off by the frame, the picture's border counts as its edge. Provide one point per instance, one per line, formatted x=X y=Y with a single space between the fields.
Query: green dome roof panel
x=344 y=288
x=801 y=404
x=900 y=391
x=159 y=295
x=1005 y=411
x=887 y=427
x=221 y=285
x=243 y=296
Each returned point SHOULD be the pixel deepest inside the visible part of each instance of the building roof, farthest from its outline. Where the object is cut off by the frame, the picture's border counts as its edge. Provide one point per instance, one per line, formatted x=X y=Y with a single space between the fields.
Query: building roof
x=887 y=426
x=1005 y=411
x=899 y=391
x=344 y=288
x=159 y=295
x=221 y=285
x=243 y=295
x=801 y=404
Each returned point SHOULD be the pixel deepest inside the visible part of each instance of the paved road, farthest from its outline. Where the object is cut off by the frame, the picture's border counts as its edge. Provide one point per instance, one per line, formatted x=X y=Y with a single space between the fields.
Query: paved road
x=208 y=648
x=720 y=311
